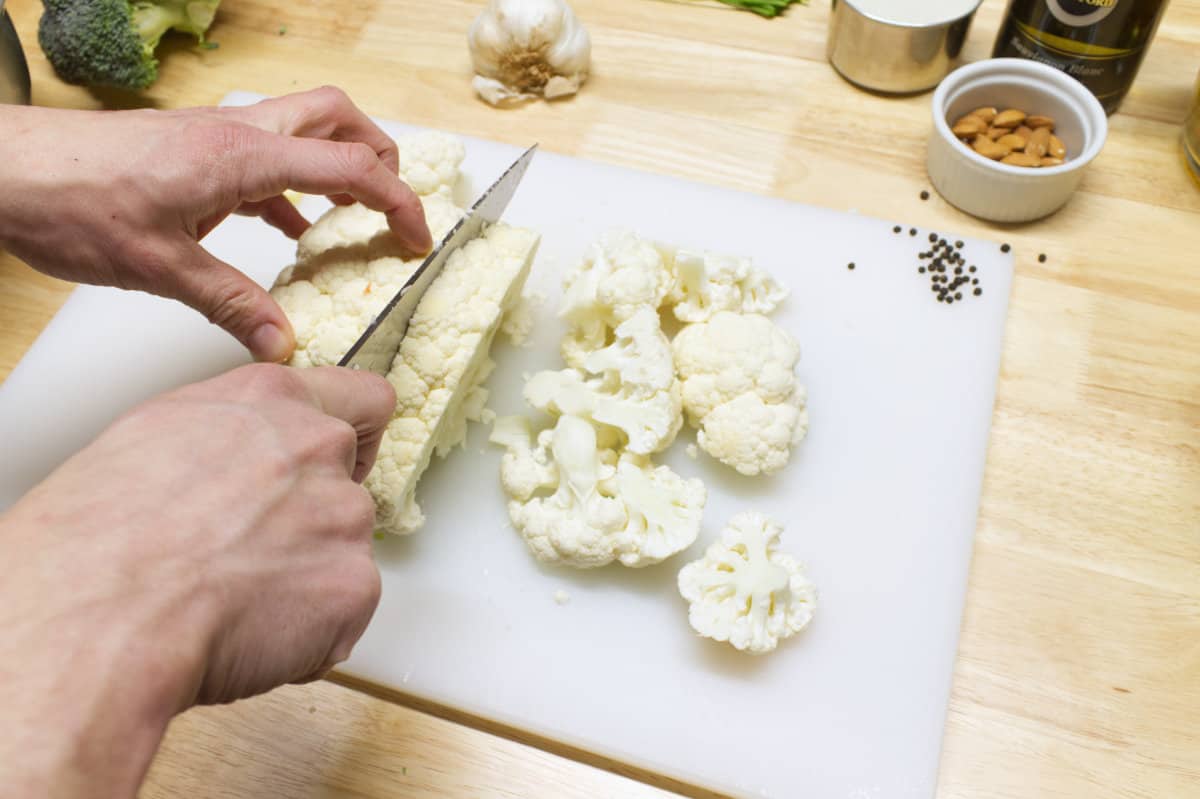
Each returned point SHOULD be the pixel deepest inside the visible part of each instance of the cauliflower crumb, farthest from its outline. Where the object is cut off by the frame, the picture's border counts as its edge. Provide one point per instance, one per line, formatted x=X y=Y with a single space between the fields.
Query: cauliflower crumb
x=692 y=451
x=561 y=597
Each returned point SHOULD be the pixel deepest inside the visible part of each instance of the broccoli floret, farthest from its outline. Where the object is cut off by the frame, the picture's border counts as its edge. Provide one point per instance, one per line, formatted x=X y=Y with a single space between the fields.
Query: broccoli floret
x=112 y=42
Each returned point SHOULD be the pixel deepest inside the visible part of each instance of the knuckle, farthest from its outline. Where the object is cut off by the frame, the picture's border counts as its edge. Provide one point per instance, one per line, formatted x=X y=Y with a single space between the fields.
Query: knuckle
x=270 y=380
x=228 y=303
x=357 y=512
x=379 y=398
x=338 y=437
x=358 y=160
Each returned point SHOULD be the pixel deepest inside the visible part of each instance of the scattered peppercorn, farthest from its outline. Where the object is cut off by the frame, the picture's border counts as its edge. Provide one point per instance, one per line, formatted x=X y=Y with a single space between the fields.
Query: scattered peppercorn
x=958 y=295
x=896 y=229
x=958 y=270
x=1004 y=248
x=1042 y=258
x=912 y=231
x=924 y=195
x=921 y=269
x=975 y=281
x=850 y=266
x=932 y=238
x=971 y=268
x=958 y=245
x=978 y=292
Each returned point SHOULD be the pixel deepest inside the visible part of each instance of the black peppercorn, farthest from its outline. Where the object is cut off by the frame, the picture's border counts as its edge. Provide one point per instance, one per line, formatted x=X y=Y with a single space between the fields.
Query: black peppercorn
x=932 y=237
x=850 y=266
x=971 y=268
x=1042 y=258
x=978 y=292
x=896 y=229
x=924 y=195
x=958 y=244
x=921 y=269
x=912 y=231
x=958 y=295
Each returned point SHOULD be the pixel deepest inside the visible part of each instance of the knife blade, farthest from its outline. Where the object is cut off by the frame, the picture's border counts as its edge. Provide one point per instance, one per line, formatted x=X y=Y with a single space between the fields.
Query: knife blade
x=376 y=348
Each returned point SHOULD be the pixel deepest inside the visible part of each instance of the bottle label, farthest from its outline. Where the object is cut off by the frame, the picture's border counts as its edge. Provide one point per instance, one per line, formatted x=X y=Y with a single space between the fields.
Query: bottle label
x=1078 y=13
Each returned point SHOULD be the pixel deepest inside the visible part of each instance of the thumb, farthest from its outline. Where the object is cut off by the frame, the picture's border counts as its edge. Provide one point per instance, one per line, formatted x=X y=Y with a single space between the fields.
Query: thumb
x=233 y=302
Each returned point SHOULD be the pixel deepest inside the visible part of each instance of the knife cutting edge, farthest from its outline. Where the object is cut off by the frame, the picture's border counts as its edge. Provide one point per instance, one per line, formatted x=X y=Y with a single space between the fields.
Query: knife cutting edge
x=376 y=348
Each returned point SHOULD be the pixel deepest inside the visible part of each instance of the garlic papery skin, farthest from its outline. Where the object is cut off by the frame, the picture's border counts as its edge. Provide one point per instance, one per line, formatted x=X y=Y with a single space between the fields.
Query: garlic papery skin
x=522 y=49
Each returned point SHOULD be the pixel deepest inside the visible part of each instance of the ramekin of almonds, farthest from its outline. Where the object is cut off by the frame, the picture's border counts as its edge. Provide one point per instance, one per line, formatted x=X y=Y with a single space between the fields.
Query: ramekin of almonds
x=1011 y=138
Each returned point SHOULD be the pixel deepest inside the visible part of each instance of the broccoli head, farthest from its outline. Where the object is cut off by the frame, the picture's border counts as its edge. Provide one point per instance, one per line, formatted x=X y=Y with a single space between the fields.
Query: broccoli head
x=112 y=42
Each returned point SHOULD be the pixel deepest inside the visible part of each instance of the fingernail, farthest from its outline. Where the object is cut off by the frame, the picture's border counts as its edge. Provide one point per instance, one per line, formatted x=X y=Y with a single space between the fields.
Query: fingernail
x=269 y=343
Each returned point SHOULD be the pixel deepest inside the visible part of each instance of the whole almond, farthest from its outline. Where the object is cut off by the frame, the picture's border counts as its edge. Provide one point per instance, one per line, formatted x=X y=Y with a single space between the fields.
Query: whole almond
x=990 y=149
x=1040 y=121
x=1047 y=161
x=1009 y=118
x=1021 y=159
x=987 y=114
x=1024 y=131
x=968 y=126
x=995 y=133
x=1012 y=140
x=1056 y=149
x=1039 y=142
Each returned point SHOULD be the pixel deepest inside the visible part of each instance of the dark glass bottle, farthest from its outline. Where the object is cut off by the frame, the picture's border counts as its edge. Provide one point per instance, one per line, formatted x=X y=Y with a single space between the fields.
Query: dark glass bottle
x=1099 y=42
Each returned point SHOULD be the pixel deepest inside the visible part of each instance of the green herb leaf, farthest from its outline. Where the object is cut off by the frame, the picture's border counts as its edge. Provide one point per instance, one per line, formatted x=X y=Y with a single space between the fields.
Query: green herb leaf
x=764 y=8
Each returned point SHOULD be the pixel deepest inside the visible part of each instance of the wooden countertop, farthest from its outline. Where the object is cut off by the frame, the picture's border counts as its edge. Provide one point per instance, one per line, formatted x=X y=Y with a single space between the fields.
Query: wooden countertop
x=1079 y=666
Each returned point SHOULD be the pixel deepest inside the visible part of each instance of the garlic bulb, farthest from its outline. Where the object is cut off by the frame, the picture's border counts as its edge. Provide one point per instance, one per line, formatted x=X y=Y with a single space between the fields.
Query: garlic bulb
x=523 y=49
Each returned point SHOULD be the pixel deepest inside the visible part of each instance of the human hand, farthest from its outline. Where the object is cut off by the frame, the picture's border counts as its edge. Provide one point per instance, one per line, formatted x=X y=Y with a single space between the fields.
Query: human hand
x=122 y=198
x=211 y=544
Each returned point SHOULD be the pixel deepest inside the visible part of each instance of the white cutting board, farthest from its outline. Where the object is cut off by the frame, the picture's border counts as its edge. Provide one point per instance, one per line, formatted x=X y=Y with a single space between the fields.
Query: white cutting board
x=880 y=499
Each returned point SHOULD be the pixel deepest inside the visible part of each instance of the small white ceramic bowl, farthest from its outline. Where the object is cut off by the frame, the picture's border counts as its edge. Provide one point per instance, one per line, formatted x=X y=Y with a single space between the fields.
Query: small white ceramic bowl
x=1002 y=192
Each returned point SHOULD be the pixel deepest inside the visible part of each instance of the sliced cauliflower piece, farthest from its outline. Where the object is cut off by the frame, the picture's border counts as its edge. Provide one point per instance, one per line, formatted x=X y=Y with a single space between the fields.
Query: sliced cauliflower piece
x=518 y=323
x=469 y=408
x=579 y=524
x=600 y=509
x=430 y=161
x=647 y=424
x=620 y=274
x=442 y=354
x=739 y=388
x=707 y=283
x=663 y=510
x=744 y=590
x=348 y=266
x=639 y=362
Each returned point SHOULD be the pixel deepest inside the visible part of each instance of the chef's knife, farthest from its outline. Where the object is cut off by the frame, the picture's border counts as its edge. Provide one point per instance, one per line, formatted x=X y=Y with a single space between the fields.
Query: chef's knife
x=376 y=348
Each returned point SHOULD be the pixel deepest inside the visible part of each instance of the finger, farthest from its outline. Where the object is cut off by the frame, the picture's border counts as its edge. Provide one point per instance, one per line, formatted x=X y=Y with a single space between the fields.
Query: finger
x=231 y=301
x=276 y=163
x=280 y=213
x=324 y=113
x=362 y=399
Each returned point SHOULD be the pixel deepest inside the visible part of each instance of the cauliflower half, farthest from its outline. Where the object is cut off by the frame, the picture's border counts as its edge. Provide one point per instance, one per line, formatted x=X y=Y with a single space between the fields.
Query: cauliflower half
x=579 y=504
x=348 y=266
x=739 y=388
x=744 y=590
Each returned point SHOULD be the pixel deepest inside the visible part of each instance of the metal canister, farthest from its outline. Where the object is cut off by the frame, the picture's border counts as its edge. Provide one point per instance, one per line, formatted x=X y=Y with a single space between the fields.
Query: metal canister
x=14 y=72
x=885 y=51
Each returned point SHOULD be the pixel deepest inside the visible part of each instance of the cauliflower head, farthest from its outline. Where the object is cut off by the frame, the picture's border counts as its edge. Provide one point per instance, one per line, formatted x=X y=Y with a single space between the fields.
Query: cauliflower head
x=707 y=283
x=620 y=274
x=744 y=590
x=739 y=388
x=442 y=359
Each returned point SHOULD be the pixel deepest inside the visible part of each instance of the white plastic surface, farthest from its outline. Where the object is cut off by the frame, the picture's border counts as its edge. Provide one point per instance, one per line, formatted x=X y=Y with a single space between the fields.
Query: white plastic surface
x=880 y=500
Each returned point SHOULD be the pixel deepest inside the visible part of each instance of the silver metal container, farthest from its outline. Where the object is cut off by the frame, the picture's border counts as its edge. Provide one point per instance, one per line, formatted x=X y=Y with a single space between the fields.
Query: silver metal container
x=884 y=52
x=14 y=72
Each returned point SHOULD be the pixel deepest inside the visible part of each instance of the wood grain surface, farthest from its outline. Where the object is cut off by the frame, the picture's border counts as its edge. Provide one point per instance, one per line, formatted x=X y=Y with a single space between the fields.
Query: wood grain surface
x=1079 y=667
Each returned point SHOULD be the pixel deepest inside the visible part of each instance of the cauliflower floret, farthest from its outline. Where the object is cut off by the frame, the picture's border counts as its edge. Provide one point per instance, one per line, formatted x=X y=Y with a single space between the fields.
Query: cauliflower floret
x=620 y=274
x=744 y=590
x=365 y=233
x=739 y=388
x=639 y=362
x=706 y=283
x=579 y=524
x=648 y=424
x=600 y=509
x=439 y=363
x=429 y=162
x=663 y=509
